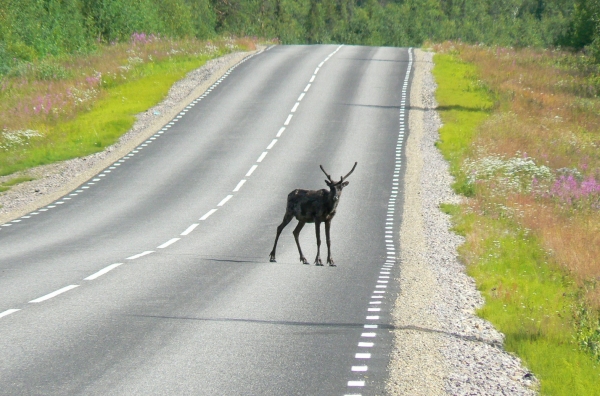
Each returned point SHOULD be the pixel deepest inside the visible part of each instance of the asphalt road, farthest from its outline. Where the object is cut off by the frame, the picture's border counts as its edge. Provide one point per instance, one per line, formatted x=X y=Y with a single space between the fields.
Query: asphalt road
x=154 y=278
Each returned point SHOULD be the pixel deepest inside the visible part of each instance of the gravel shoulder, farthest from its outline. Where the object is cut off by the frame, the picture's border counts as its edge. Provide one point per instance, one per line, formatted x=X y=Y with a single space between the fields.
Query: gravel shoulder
x=441 y=346
x=55 y=180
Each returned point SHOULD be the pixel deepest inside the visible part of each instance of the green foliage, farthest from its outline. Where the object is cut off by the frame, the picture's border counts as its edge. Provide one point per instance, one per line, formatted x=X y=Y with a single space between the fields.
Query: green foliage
x=33 y=29
x=464 y=103
x=584 y=27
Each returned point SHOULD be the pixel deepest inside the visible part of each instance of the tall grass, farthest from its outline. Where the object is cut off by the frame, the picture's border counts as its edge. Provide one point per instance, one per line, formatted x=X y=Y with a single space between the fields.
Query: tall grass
x=93 y=101
x=549 y=114
x=529 y=226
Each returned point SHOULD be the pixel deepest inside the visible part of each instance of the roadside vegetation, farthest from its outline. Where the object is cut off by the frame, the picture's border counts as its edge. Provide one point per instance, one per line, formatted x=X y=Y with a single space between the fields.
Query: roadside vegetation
x=91 y=100
x=521 y=131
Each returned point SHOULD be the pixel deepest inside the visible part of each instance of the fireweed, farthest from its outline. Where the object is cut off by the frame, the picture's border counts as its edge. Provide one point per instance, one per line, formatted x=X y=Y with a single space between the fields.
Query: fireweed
x=570 y=192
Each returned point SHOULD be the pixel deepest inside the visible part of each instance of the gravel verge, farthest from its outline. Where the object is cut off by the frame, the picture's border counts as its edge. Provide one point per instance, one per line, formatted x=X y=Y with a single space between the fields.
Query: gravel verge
x=55 y=180
x=441 y=346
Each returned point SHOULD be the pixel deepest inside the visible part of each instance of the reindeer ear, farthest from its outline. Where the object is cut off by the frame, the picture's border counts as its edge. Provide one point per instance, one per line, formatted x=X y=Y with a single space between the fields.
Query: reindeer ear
x=344 y=184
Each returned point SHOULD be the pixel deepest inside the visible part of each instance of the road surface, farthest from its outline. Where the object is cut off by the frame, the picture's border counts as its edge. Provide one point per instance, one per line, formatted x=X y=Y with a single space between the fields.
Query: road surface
x=154 y=278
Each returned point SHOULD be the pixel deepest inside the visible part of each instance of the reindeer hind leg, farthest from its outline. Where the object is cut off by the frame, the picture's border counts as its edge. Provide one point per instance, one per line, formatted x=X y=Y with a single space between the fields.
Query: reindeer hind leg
x=329 y=258
x=286 y=219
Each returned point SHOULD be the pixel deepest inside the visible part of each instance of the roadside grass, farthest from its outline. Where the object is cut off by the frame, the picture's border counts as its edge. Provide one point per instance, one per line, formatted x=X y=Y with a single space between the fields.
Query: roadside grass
x=94 y=102
x=466 y=106
x=538 y=302
x=5 y=186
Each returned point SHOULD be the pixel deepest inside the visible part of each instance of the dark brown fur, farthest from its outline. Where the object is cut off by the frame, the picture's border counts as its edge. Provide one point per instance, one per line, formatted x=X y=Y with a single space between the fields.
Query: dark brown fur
x=313 y=206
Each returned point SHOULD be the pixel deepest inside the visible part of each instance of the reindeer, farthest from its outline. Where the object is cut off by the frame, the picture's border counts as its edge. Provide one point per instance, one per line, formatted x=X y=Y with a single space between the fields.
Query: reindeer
x=313 y=206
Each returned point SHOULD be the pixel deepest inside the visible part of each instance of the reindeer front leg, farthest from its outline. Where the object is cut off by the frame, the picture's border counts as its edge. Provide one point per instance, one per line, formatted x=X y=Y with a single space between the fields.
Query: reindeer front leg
x=329 y=259
x=318 y=232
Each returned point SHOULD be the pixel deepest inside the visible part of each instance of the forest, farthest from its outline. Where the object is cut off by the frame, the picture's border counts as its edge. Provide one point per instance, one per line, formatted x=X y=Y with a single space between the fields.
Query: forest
x=31 y=30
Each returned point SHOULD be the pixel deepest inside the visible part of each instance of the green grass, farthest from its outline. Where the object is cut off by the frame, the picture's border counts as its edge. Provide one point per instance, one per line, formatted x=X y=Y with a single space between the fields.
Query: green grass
x=110 y=117
x=528 y=298
x=13 y=182
x=464 y=103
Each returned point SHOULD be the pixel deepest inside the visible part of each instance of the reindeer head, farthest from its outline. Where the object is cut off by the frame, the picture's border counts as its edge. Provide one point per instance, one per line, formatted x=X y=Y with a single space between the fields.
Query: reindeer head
x=336 y=187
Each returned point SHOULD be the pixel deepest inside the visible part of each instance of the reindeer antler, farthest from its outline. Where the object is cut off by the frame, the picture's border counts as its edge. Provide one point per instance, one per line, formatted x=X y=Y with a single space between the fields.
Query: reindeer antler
x=349 y=173
x=328 y=176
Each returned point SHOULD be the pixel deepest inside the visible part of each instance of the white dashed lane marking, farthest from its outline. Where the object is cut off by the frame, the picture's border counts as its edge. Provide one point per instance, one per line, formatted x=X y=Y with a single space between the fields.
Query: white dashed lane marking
x=190 y=229
x=168 y=243
x=54 y=294
x=262 y=156
x=270 y=146
x=227 y=198
x=140 y=255
x=210 y=212
x=8 y=312
x=239 y=185
x=103 y=271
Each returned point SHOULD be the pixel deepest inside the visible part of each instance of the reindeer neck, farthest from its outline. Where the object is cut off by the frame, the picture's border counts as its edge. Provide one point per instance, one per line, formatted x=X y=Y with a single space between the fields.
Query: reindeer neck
x=330 y=201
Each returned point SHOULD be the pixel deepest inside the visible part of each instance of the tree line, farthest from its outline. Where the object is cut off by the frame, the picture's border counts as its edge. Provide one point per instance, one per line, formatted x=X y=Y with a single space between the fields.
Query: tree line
x=33 y=29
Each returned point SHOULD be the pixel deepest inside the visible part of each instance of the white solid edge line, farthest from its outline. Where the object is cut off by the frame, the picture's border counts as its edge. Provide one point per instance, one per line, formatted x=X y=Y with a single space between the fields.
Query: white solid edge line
x=54 y=294
x=8 y=312
x=208 y=214
x=102 y=271
x=190 y=229
x=227 y=198
x=239 y=185
x=147 y=252
x=168 y=243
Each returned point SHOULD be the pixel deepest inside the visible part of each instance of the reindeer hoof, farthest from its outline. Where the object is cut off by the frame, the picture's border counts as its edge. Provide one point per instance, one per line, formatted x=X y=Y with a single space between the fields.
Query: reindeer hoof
x=318 y=262
x=331 y=263
x=303 y=260
x=272 y=259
